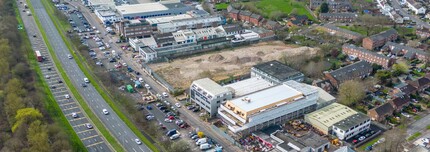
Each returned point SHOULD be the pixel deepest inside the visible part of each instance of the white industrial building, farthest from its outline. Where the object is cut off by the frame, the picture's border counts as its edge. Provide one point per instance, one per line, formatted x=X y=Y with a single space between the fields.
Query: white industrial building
x=271 y=106
x=209 y=95
x=189 y=23
x=156 y=9
x=106 y=15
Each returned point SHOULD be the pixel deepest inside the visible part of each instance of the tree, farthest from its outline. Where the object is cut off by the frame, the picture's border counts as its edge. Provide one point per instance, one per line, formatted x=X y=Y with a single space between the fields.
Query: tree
x=180 y=146
x=324 y=8
x=350 y=92
x=400 y=68
x=383 y=75
x=38 y=137
x=26 y=115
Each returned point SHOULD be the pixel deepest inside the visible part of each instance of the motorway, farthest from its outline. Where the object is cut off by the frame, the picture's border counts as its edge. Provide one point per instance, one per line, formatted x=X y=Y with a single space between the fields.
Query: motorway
x=90 y=137
x=112 y=122
x=396 y=5
x=186 y=115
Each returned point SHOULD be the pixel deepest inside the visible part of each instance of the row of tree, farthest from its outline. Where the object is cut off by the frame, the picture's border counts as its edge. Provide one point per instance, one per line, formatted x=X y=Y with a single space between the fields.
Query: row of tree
x=25 y=124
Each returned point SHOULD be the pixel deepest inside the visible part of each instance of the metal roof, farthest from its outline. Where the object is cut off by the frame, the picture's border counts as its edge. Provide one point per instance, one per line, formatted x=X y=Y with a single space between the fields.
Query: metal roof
x=331 y=114
x=278 y=70
x=247 y=86
x=351 y=121
x=141 y=8
x=210 y=86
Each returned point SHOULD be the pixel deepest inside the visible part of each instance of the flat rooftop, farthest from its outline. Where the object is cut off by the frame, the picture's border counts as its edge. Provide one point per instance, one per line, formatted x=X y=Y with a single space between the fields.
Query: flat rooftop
x=210 y=86
x=351 y=121
x=165 y=19
x=278 y=70
x=331 y=114
x=102 y=2
x=248 y=86
x=310 y=139
x=266 y=97
x=141 y=8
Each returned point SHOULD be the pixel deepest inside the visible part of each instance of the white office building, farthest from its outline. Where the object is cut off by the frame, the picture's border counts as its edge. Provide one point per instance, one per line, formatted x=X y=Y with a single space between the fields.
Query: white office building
x=351 y=126
x=209 y=95
x=107 y=16
x=271 y=106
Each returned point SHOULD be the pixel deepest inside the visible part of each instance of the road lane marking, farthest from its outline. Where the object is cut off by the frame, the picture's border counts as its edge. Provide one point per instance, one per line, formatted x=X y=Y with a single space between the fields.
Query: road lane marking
x=134 y=150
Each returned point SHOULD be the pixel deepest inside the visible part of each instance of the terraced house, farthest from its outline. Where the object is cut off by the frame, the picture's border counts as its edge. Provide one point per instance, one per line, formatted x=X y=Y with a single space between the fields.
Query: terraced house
x=369 y=56
x=338 y=17
x=380 y=39
x=334 y=30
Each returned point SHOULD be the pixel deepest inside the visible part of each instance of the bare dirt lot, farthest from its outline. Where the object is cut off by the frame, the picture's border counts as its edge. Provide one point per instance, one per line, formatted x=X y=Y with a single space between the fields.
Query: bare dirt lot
x=225 y=63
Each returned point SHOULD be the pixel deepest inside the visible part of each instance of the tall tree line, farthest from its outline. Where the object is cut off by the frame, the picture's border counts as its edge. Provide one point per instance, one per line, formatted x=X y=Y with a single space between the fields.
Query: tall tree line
x=25 y=124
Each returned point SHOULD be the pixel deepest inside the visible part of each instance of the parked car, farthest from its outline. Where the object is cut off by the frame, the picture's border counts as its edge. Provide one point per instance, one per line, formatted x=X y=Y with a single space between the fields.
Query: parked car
x=89 y=126
x=191 y=107
x=196 y=110
x=167 y=102
x=165 y=94
x=67 y=96
x=201 y=141
x=178 y=105
x=168 y=120
x=184 y=125
x=205 y=146
x=159 y=105
x=362 y=138
x=171 y=132
x=162 y=108
x=150 y=117
x=74 y=115
x=175 y=136
x=149 y=107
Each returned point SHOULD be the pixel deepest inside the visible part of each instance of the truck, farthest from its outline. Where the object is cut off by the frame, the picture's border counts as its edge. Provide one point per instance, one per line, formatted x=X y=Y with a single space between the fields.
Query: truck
x=39 y=56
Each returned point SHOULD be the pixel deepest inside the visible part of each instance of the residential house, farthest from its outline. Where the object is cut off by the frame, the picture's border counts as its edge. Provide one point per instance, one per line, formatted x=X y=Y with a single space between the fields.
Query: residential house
x=255 y=19
x=423 y=32
x=244 y=16
x=234 y=14
x=421 y=84
x=416 y=7
x=334 y=5
x=271 y=25
x=324 y=84
x=399 y=103
x=341 y=17
x=406 y=51
x=403 y=89
x=298 y=20
x=334 y=30
x=379 y=39
x=369 y=56
x=380 y=113
x=356 y=70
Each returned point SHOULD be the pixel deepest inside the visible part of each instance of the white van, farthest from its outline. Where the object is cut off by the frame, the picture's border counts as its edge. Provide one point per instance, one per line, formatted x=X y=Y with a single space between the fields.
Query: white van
x=141 y=80
x=201 y=141
x=205 y=146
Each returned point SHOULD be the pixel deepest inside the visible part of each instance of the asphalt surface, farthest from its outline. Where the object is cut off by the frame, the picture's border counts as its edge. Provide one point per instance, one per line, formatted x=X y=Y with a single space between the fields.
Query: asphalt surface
x=419 y=125
x=90 y=137
x=396 y=5
x=112 y=122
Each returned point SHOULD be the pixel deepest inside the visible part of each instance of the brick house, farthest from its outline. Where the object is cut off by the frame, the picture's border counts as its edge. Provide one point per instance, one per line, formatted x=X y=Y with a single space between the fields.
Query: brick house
x=255 y=19
x=332 y=29
x=421 y=84
x=244 y=16
x=403 y=89
x=369 y=56
x=340 y=17
x=356 y=70
x=423 y=32
x=399 y=103
x=234 y=14
x=381 y=113
x=379 y=39
x=271 y=25
x=334 y=5
x=406 y=51
x=298 y=20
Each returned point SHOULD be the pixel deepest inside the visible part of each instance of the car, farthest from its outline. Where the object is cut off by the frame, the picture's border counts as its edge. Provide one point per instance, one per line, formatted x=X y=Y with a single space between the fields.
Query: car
x=406 y=115
x=178 y=105
x=168 y=120
x=67 y=96
x=147 y=86
x=175 y=136
x=362 y=138
x=191 y=107
x=184 y=125
x=47 y=76
x=162 y=108
x=165 y=111
x=196 y=110
x=105 y=111
x=53 y=87
x=149 y=107
x=84 y=85
x=179 y=121
x=194 y=137
x=150 y=117
x=191 y=134
x=137 y=141
x=34 y=35
x=165 y=94
x=69 y=56
x=171 y=132
x=159 y=105
x=86 y=80
x=89 y=126
x=167 y=102
x=74 y=115
x=59 y=81
x=141 y=80
x=49 y=69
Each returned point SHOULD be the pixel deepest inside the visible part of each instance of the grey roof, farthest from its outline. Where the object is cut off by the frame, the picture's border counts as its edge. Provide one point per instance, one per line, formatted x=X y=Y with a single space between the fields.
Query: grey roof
x=351 y=121
x=344 y=149
x=256 y=16
x=365 y=51
x=210 y=86
x=342 y=15
x=310 y=139
x=278 y=70
x=396 y=48
x=165 y=37
x=383 y=35
x=232 y=28
x=335 y=28
x=245 y=13
x=385 y=109
x=351 y=71
x=175 y=5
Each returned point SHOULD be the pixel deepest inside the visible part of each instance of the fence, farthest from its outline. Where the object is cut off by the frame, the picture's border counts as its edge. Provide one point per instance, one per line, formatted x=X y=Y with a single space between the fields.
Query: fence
x=223 y=134
x=158 y=78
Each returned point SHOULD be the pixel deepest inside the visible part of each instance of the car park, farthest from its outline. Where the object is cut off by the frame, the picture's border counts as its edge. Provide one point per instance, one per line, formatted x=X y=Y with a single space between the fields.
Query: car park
x=105 y=111
x=74 y=115
x=178 y=105
x=89 y=126
x=67 y=96
x=175 y=136
x=167 y=102
x=137 y=141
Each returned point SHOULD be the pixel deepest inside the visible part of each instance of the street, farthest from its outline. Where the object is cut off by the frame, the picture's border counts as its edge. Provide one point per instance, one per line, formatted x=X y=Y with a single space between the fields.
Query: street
x=112 y=122
x=396 y=5
x=186 y=115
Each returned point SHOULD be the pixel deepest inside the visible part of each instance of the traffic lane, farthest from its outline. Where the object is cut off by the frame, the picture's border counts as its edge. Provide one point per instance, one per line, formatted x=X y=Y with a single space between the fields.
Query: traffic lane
x=397 y=5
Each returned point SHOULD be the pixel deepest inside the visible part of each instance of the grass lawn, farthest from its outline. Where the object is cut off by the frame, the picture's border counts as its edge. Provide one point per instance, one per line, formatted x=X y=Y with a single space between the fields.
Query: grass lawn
x=62 y=26
x=417 y=117
x=364 y=31
x=50 y=104
x=369 y=143
x=221 y=6
x=286 y=6
x=414 y=136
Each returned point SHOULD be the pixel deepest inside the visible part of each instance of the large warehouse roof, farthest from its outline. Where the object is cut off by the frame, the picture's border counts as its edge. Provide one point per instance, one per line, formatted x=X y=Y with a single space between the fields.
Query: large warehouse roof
x=141 y=8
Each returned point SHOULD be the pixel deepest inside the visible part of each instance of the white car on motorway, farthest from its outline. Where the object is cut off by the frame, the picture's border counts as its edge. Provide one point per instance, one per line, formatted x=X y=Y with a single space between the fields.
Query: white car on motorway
x=137 y=141
x=69 y=56
x=86 y=80
x=105 y=112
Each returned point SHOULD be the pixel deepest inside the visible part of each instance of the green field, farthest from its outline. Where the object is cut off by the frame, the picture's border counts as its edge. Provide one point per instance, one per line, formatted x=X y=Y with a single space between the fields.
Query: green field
x=221 y=6
x=285 y=6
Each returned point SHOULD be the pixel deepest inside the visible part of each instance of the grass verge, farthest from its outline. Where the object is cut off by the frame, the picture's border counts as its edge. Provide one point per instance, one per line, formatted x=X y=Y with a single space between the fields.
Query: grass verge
x=59 y=25
x=414 y=136
x=369 y=143
x=112 y=141
x=49 y=101
x=428 y=127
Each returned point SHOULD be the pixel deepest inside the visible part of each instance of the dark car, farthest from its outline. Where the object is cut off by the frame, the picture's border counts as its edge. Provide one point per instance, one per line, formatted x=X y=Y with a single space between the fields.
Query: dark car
x=196 y=109
x=149 y=107
x=112 y=60
x=59 y=81
x=191 y=107
x=162 y=108
x=165 y=111
x=84 y=85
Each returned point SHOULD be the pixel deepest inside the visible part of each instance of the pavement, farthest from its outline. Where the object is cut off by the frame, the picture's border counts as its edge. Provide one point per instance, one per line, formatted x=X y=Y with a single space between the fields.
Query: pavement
x=418 y=125
x=112 y=122
x=191 y=118
x=396 y=5
x=91 y=138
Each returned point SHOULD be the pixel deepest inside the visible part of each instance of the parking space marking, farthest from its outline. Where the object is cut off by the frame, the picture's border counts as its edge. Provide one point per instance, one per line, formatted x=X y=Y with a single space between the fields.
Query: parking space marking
x=95 y=144
x=84 y=131
x=89 y=137
x=70 y=108
x=78 y=126
x=68 y=103
x=74 y=119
